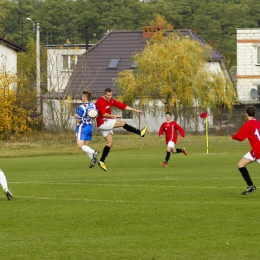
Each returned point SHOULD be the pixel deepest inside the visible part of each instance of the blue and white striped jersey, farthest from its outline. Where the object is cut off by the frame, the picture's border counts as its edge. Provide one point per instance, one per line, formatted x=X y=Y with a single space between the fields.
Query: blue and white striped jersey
x=83 y=113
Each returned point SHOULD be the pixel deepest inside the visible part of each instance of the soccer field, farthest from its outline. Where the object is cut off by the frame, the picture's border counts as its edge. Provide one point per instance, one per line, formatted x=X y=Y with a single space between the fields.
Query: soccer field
x=136 y=210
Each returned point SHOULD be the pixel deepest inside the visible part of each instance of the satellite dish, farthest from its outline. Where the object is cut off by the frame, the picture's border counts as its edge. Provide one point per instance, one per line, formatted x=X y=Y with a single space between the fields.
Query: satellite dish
x=253 y=93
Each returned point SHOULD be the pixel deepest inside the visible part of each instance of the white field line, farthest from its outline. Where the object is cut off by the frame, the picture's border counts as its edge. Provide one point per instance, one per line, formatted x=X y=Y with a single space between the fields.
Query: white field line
x=147 y=202
x=113 y=182
x=122 y=185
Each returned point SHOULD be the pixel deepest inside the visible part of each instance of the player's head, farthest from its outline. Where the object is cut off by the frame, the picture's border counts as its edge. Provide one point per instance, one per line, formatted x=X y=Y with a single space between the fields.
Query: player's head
x=108 y=93
x=168 y=116
x=86 y=95
x=251 y=110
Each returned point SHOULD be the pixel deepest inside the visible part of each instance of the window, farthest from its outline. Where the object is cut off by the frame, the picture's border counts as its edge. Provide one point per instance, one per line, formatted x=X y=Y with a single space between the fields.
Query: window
x=69 y=61
x=258 y=55
x=113 y=63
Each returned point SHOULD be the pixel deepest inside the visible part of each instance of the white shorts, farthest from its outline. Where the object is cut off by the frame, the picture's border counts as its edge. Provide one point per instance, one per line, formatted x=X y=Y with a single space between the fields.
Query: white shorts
x=171 y=144
x=251 y=158
x=107 y=127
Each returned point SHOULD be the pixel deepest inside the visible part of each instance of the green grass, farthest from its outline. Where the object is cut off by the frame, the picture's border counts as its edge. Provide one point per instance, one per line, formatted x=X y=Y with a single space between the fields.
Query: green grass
x=137 y=209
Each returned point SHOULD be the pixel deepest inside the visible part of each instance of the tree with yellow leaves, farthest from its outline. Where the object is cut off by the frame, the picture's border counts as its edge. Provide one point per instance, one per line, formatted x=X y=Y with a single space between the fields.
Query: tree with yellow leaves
x=172 y=68
x=14 y=120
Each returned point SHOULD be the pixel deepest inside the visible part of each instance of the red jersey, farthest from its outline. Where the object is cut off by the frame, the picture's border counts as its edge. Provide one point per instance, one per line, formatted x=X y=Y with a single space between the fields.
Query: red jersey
x=251 y=130
x=170 y=128
x=104 y=106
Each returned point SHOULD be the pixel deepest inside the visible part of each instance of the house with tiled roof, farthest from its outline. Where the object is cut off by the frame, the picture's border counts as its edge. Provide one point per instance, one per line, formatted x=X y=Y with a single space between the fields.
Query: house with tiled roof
x=8 y=55
x=99 y=65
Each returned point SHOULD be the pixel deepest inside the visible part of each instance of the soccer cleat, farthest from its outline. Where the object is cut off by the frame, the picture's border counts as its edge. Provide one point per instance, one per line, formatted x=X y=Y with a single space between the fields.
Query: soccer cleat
x=8 y=194
x=143 y=131
x=184 y=151
x=94 y=159
x=164 y=164
x=249 y=190
x=102 y=166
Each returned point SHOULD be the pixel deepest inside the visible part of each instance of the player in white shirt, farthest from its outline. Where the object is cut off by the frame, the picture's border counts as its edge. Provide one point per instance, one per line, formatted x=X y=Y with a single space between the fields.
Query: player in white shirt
x=4 y=185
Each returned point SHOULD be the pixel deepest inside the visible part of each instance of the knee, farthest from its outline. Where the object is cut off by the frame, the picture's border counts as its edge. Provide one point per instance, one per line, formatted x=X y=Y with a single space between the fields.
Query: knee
x=110 y=144
x=240 y=165
x=122 y=123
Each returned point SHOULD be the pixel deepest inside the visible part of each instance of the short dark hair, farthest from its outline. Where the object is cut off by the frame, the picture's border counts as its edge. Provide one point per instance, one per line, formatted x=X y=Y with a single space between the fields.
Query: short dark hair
x=168 y=113
x=251 y=110
x=108 y=90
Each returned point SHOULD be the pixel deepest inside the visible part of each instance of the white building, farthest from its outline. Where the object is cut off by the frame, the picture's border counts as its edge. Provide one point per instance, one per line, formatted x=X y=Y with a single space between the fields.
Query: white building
x=248 y=65
x=61 y=60
x=8 y=55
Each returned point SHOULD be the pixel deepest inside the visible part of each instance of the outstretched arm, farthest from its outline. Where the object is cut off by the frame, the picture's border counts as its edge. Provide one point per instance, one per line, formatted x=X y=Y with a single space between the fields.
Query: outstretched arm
x=134 y=110
x=242 y=133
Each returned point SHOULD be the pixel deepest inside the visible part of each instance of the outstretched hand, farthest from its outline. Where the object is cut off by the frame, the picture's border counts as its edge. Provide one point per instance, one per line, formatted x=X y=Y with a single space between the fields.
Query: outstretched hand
x=139 y=111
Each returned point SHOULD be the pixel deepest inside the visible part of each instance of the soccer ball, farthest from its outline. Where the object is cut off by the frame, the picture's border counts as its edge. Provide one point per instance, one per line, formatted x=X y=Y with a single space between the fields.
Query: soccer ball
x=92 y=113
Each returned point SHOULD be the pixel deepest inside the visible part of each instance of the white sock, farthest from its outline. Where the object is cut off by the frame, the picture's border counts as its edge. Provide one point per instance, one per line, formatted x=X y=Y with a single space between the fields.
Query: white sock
x=88 y=150
x=3 y=181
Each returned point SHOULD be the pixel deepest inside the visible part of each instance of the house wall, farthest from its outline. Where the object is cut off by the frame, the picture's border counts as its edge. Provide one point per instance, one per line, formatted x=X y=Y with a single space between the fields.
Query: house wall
x=248 y=70
x=58 y=76
x=214 y=66
x=8 y=60
x=57 y=115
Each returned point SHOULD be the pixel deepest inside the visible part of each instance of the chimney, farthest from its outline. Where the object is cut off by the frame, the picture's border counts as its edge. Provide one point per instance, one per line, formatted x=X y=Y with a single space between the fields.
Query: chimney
x=149 y=31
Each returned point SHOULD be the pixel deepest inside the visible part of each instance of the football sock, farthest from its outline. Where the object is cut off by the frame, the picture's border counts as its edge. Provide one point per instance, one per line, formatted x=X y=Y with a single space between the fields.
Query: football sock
x=88 y=150
x=179 y=150
x=130 y=128
x=168 y=154
x=105 y=153
x=246 y=176
x=3 y=181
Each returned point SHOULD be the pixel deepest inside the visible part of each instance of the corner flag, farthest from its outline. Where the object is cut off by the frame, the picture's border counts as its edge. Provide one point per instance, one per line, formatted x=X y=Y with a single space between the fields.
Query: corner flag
x=205 y=115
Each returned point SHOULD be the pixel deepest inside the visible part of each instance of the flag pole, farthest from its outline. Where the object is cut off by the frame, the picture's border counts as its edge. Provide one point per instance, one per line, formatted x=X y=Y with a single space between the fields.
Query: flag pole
x=207 y=135
x=204 y=115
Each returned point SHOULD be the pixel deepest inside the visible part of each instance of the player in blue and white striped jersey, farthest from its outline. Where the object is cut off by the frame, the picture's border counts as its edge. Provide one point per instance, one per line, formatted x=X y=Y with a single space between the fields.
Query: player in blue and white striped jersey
x=84 y=129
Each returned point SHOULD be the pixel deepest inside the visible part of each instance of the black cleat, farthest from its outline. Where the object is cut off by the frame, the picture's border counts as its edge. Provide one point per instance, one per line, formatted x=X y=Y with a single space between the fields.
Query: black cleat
x=249 y=190
x=8 y=194
x=94 y=159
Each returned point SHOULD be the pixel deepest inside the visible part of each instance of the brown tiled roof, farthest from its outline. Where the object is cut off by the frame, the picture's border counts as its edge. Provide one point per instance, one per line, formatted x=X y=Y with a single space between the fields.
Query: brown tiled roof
x=91 y=71
x=12 y=45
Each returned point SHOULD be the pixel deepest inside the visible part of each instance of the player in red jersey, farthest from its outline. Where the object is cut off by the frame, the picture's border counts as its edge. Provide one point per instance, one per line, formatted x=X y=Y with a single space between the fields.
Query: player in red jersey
x=250 y=130
x=106 y=121
x=170 y=128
